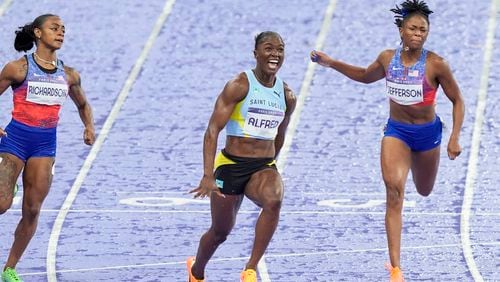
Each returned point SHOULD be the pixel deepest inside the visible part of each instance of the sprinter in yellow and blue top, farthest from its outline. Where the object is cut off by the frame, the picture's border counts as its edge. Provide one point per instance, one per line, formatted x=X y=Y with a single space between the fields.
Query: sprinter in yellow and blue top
x=255 y=108
x=260 y=113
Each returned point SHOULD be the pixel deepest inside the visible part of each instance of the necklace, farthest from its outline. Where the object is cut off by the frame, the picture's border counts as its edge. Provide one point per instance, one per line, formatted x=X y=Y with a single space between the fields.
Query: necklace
x=45 y=61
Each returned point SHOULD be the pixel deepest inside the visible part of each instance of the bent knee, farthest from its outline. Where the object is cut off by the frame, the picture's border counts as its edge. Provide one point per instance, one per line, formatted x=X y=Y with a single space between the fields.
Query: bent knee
x=220 y=236
x=31 y=211
x=424 y=191
x=395 y=197
x=4 y=207
x=272 y=205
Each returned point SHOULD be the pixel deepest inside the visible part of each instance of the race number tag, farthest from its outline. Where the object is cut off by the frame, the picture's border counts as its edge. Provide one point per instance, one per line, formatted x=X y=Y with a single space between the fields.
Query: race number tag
x=262 y=123
x=405 y=94
x=46 y=93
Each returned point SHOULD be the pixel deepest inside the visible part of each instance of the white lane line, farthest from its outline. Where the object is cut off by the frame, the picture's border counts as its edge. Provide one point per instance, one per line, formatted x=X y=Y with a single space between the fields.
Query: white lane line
x=306 y=84
x=297 y=212
x=476 y=140
x=319 y=253
x=5 y=5
x=58 y=224
x=292 y=126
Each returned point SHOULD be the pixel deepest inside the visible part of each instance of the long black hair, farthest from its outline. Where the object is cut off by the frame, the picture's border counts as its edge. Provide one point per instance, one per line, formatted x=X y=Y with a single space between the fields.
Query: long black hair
x=25 y=35
x=409 y=8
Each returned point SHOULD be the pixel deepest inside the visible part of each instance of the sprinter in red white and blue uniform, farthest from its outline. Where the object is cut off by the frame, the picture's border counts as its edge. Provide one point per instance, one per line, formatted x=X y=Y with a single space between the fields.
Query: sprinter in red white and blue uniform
x=412 y=136
x=41 y=83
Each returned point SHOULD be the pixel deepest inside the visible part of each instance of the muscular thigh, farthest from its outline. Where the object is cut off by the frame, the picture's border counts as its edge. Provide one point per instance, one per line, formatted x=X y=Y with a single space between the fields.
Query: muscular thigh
x=424 y=167
x=265 y=185
x=37 y=177
x=395 y=161
x=10 y=168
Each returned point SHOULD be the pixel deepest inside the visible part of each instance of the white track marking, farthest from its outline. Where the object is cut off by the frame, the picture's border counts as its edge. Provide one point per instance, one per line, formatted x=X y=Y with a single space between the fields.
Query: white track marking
x=58 y=224
x=5 y=5
x=306 y=84
x=292 y=126
x=296 y=212
x=476 y=140
x=308 y=254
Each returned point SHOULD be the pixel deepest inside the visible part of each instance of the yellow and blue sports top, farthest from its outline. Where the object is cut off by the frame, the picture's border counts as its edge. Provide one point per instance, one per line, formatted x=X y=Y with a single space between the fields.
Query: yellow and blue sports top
x=260 y=113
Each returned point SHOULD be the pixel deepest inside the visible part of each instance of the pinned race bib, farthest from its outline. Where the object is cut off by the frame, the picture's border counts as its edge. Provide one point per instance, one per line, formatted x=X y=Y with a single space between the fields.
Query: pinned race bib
x=46 y=93
x=405 y=94
x=263 y=123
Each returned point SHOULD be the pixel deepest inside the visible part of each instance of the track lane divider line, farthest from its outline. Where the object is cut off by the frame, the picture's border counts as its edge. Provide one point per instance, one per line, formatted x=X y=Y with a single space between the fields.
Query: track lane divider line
x=475 y=144
x=292 y=127
x=108 y=124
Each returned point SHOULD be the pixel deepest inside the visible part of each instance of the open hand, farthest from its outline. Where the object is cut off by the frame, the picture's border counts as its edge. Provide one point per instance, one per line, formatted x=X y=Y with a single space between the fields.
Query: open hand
x=206 y=188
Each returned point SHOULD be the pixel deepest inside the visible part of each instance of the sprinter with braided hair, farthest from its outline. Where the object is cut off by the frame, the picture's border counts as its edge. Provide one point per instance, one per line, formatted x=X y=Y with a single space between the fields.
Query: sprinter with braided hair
x=412 y=136
x=408 y=8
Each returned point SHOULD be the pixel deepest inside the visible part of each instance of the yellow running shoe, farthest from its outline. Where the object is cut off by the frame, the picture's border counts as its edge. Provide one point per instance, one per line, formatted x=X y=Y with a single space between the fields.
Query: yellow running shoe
x=189 y=264
x=248 y=275
x=396 y=275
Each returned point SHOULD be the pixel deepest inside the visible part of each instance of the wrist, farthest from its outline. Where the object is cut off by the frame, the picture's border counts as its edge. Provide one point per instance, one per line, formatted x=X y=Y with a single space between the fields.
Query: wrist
x=331 y=63
x=454 y=137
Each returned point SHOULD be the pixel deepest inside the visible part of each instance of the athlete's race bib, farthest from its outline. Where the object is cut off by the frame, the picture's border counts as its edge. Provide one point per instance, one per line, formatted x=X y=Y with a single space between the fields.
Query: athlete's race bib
x=46 y=93
x=263 y=123
x=405 y=94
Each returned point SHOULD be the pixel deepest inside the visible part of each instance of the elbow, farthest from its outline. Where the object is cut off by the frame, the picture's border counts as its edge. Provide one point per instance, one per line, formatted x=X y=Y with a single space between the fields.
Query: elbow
x=459 y=103
x=367 y=79
x=211 y=133
x=362 y=78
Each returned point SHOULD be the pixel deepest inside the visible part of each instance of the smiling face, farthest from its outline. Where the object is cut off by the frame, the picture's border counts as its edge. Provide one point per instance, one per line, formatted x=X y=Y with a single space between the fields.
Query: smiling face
x=414 y=31
x=51 y=33
x=270 y=54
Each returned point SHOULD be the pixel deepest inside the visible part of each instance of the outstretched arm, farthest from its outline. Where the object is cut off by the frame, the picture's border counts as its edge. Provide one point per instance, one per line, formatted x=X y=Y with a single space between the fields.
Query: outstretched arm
x=85 y=111
x=372 y=73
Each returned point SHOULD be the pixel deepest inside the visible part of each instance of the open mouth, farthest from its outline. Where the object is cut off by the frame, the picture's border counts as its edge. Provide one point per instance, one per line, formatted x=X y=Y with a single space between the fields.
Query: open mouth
x=273 y=64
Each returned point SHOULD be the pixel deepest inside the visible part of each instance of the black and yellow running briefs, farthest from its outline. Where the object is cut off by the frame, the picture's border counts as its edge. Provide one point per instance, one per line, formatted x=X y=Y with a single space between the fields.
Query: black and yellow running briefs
x=233 y=173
